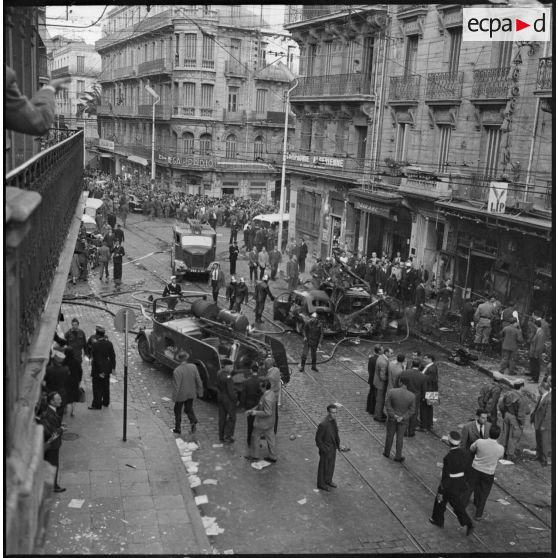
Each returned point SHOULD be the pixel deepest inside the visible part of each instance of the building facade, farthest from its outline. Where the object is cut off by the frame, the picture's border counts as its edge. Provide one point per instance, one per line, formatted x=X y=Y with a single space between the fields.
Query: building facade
x=457 y=169
x=82 y=63
x=220 y=116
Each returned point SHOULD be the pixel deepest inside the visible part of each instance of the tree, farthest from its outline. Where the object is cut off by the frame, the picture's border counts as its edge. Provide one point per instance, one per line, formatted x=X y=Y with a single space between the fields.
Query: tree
x=90 y=101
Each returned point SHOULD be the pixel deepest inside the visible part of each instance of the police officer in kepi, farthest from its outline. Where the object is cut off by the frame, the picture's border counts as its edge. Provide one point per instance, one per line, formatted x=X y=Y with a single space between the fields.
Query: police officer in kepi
x=103 y=364
x=172 y=288
x=313 y=334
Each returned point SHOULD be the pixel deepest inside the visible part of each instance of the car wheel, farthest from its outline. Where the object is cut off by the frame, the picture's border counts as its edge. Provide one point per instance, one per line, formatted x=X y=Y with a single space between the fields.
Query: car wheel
x=204 y=375
x=143 y=349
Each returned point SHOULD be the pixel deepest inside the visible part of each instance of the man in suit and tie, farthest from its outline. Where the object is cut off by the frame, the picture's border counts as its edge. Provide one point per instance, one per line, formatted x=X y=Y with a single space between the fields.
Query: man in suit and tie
x=541 y=418
x=414 y=381
x=371 y=399
x=400 y=405
x=536 y=349
x=473 y=431
x=380 y=383
x=420 y=299
x=430 y=371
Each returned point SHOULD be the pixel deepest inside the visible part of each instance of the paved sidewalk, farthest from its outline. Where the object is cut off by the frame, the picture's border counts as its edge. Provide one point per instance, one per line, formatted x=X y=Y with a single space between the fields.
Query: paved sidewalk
x=132 y=497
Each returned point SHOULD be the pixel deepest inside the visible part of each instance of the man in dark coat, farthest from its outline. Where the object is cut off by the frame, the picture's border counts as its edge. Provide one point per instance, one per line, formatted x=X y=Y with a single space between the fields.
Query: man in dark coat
x=119 y=234
x=249 y=398
x=226 y=399
x=430 y=370
x=511 y=338
x=233 y=256
x=103 y=364
x=414 y=381
x=172 y=289
x=327 y=440
x=230 y=293
x=261 y=292
x=420 y=299
x=453 y=485
x=313 y=332
x=541 y=418
x=467 y=321
x=380 y=383
x=400 y=406
x=53 y=430
x=117 y=254
x=216 y=281
x=371 y=399
x=241 y=295
x=186 y=385
x=473 y=431
x=275 y=259
x=56 y=378
x=302 y=253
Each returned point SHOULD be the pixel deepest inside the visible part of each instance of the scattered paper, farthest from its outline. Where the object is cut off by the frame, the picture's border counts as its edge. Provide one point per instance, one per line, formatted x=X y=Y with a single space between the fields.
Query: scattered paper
x=208 y=521
x=218 y=468
x=505 y=462
x=202 y=499
x=194 y=481
x=301 y=502
x=503 y=502
x=228 y=551
x=123 y=520
x=315 y=490
x=214 y=530
x=209 y=481
x=191 y=446
x=165 y=399
x=217 y=446
x=76 y=503
x=444 y=438
x=537 y=528
x=192 y=469
x=260 y=464
x=65 y=521
x=529 y=452
x=440 y=465
x=131 y=466
x=113 y=381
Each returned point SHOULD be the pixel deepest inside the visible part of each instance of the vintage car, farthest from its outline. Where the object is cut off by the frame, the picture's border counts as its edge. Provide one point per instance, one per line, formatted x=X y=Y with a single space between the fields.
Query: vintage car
x=208 y=335
x=350 y=312
x=193 y=248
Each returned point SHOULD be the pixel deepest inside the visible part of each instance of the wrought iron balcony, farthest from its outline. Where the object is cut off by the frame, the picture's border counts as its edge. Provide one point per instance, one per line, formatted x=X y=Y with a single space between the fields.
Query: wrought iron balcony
x=411 y=10
x=444 y=86
x=162 y=111
x=544 y=77
x=237 y=117
x=55 y=174
x=60 y=72
x=110 y=109
x=348 y=167
x=126 y=71
x=296 y=14
x=404 y=88
x=491 y=84
x=183 y=111
x=158 y=66
x=425 y=188
x=232 y=67
x=333 y=85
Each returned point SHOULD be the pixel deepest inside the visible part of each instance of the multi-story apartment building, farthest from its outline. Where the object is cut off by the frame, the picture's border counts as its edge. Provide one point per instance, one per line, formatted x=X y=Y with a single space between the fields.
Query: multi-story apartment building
x=42 y=192
x=80 y=61
x=220 y=119
x=456 y=147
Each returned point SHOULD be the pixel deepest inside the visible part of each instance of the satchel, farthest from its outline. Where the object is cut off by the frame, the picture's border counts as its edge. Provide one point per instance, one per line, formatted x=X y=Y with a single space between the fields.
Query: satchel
x=432 y=398
x=81 y=395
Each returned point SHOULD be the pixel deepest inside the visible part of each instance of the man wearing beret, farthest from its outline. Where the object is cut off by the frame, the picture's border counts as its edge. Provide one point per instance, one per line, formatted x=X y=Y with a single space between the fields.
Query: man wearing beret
x=103 y=364
x=453 y=485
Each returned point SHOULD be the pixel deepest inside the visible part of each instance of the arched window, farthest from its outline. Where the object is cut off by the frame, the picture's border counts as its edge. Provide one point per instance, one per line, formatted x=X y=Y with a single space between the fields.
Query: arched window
x=258 y=148
x=231 y=147
x=206 y=146
x=188 y=142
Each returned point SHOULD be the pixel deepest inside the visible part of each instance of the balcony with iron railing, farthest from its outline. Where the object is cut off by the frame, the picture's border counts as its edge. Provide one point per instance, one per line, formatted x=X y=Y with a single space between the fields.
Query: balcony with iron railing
x=234 y=117
x=411 y=10
x=124 y=72
x=234 y=68
x=60 y=72
x=163 y=111
x=110 y=109
x=299 y=13
x=432 y=188
x=404 y=89
x=159 y=66
x=544 y=77
x=344 y=167
x=444 y=87
x=490 y=85
x=340 y=85
x=183 y=112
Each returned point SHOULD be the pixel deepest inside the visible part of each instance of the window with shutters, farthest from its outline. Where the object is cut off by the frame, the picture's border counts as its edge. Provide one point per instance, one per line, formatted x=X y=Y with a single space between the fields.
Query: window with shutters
x=327 y=59
x=206 y=99
x=230 y=147
x=208 y=52
x=411 y=55
x=341 y=137
x=190 y=46
x=232 y=105
x=443 y=151
x=258 y=148
x=504 y=54
x=189 y=95
x=491 y=150
x=188 y=143
x=234 y=53
x=260 y=100
x=306 y=134
x=308 y=206
x=401 y=142
x=80 y=86
x=206 y=146
x=319 y=136
x=80 y=64
x=455 y=34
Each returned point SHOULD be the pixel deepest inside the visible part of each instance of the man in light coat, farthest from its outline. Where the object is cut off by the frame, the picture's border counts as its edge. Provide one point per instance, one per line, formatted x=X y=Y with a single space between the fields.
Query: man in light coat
x=264 y=422
x=400 y=406
x=511 y=337
x=380 y=383
x=541 y=418
x=186 y=385
x=536 y=349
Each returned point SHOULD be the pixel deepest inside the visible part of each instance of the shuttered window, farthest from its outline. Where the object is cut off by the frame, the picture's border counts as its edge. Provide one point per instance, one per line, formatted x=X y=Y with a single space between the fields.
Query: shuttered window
x=493 y=136
x=445 y=135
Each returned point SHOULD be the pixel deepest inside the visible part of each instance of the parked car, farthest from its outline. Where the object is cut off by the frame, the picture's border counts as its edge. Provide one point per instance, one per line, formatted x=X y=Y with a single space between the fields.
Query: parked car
x=193 y=248
x=208 y=335
x=353 y=311
x=135 y=203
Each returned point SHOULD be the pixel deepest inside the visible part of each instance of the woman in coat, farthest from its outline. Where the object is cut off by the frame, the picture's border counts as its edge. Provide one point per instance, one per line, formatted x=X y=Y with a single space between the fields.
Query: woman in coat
x=263 y=261
x=74 y=379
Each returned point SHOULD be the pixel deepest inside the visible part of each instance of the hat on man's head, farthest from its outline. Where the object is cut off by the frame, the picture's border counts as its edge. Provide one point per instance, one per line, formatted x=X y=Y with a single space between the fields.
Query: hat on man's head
x=58 y=355
x=173 y=277
x=454 y=438
x=100 y=329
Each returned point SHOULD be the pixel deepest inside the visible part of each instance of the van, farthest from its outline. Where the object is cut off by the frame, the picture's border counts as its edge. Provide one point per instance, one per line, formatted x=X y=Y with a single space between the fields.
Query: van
x=193 y=248
x=266 y=221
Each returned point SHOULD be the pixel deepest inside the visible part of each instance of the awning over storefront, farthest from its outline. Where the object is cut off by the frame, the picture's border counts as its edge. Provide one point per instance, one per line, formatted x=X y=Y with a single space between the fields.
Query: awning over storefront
x=106 y=155
x=138 y=160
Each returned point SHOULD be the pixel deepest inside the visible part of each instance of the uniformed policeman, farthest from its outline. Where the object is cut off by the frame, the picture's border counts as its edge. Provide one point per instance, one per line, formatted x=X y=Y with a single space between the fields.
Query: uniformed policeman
x=103 y=364
x=172 y=289
x=313 y=334
x=483 y=318
x=453 y=485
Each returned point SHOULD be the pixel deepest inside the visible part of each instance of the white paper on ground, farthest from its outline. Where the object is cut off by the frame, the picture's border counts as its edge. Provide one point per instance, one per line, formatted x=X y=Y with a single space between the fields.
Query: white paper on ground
x=505 y=462
x=191 y=446
x=301 y=502
x=228 y=551
x=209 y=481
x=503 y=502
x=74 y=503
x=191 y=470
x=440 y=465
x=217 y=445
x=194 y=481
x=113 y=381
x=260 y=464
x=208 y=521
x=165 y=399
x=214 y=530
x=218 y=468
x=201 y=499
x=537 y=528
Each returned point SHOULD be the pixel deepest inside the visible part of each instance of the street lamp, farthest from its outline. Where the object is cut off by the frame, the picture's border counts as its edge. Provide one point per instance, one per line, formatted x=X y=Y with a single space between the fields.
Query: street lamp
x=156 y=99
x=283 y=168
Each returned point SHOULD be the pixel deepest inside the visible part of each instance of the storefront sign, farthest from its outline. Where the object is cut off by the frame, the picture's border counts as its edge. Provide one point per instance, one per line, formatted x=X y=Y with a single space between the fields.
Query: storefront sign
x=369 y=207
x=187 y=162
x=497 y=197
x=106 y=144
x=315 y=160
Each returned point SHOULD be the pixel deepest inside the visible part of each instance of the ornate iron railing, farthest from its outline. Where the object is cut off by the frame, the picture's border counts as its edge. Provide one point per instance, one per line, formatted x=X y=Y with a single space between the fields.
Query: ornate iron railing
x=162 y=65
x=491 y=83
x=298 y=13
x=404 y=88
x=444 y=85
x=59 y=72
x=411 y=8
x=340 y=84
x=56 y=175
x=237 y=68
x=544 y=74
x=162 y=111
